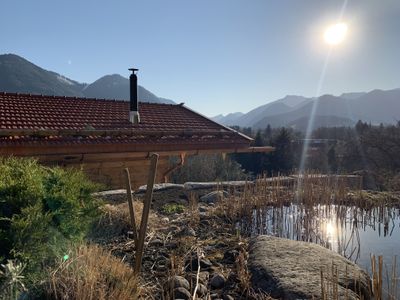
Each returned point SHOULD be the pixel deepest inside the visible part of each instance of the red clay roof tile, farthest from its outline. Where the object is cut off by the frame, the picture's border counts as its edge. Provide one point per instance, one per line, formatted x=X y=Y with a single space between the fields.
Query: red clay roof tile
x=36 y=112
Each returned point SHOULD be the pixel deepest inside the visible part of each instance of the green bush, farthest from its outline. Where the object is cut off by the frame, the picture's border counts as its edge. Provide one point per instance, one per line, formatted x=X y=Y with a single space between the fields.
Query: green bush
x=173 y=208
x=208 y=167
x=42 y=211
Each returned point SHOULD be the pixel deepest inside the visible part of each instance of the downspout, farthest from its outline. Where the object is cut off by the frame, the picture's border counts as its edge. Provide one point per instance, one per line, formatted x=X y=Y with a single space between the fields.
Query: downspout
x=175 y=167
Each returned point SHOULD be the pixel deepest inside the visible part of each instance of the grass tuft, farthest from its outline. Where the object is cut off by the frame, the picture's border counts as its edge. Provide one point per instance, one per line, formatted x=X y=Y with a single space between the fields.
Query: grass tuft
x=90 y=272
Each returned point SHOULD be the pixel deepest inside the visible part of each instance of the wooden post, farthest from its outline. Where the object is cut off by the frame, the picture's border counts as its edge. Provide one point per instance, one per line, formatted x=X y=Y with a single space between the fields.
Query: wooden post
x=130 y=203
x=146 y=211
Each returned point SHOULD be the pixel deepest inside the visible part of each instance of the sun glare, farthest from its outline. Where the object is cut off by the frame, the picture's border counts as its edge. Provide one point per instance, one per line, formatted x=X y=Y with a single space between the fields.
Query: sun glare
x=335 y=34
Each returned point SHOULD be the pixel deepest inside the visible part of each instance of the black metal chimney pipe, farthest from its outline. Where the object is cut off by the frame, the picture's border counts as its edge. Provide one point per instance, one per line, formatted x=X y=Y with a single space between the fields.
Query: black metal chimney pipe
x=133 y=105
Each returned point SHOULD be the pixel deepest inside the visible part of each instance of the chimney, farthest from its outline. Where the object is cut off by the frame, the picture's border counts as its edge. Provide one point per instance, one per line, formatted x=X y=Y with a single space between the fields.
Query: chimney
x=134 y=117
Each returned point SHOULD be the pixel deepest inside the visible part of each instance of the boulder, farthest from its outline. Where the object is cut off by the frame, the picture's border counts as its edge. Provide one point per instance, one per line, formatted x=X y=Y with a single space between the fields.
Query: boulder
x=292 y=270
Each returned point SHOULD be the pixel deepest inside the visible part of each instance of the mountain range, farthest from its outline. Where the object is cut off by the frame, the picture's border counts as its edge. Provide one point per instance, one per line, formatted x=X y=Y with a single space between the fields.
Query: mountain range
x=18 y=75
x=377 y=106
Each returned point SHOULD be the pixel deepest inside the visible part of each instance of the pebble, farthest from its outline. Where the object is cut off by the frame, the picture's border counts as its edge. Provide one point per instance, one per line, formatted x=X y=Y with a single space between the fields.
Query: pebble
x=230 y=255
x=179 y=282
x=203 y=277
x=156 y=243
x=171 y=245
x=201 y=290
x=182 y=293
x=192 y=264
x=217 y=281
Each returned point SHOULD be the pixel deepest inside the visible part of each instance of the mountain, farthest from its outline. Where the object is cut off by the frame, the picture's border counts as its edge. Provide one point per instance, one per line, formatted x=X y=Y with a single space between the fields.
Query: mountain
x=21 y=76
x=351 y=96
x=117 y=87
x=18 y=75
x=229 y=118
x=273 y=108
x=377 y=107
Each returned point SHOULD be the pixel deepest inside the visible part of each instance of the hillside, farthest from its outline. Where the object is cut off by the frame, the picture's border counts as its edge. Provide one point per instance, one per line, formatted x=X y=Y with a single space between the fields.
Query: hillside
x=18 y=75
x=376 y=107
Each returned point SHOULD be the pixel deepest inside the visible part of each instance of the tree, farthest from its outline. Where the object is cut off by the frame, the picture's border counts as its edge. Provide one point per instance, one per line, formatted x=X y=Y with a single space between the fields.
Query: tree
x=282 y=159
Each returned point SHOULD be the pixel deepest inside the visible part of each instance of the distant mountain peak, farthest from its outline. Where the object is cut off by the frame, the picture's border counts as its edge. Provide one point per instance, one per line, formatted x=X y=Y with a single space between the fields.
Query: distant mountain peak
x=21 y=76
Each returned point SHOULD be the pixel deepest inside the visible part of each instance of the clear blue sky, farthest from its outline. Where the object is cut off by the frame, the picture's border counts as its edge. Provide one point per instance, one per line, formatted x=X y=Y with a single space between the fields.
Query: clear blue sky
x=217 y=56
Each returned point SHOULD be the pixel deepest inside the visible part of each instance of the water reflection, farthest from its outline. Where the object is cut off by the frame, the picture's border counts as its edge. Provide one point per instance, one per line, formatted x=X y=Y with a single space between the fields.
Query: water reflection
x=351 y=231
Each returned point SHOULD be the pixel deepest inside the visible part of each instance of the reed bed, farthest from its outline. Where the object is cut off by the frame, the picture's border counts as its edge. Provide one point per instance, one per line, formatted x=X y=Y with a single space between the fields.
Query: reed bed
x=322 y=209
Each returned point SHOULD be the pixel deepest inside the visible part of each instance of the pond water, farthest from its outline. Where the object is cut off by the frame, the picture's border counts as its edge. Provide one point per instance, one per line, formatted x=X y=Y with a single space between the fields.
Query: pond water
x=354 y=232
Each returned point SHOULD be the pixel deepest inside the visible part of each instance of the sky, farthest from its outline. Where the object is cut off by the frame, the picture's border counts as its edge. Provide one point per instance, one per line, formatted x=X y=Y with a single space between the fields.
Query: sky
x=217 y=56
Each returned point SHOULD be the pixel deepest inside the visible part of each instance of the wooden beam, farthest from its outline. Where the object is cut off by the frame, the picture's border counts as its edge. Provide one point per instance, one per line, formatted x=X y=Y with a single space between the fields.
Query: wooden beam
x=133 y=156
x=146 y=210
x=95 y=148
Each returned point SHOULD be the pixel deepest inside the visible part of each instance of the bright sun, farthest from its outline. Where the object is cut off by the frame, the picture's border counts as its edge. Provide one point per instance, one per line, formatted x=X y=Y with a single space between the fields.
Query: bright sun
x=335 y=34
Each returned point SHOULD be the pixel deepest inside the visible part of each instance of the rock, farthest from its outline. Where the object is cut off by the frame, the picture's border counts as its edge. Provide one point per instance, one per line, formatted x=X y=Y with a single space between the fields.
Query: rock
x=230 y=255
x=158 y=187
x=178 y=282
x=201 y=290
x=192 y=264
x=171 y=245
x=203 y=209
x=217 y=281
x=214 y=185
x=182 y=293
x=289 y=269
x=190 y=231
x=203 y=277
x=156 y=243
x=214 y=197
x=187 y=231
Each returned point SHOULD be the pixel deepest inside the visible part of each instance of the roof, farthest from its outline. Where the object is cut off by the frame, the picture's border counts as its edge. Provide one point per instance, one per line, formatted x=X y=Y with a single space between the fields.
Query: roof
x=37 y=120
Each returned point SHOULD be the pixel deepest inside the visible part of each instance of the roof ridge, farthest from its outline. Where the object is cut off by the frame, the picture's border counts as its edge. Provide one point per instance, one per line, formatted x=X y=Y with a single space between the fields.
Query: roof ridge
x=78 y=98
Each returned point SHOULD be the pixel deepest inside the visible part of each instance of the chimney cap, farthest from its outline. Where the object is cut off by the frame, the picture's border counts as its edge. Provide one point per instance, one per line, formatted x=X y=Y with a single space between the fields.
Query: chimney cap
x=133 y=70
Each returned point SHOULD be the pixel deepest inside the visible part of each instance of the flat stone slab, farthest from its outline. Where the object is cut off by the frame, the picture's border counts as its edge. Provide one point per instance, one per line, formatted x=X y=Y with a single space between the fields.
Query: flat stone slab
x=158 y=187
x=110 y=193
x=287 y=269
x=209 y=185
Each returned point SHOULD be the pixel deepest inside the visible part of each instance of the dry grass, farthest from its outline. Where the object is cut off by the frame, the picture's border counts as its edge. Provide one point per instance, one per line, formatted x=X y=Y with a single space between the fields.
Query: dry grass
x=93 y=273
x=381 y=288
x=275 y=204
x=115 y=221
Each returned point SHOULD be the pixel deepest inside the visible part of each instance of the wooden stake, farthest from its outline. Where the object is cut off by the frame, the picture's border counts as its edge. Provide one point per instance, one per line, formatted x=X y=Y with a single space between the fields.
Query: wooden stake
x=130 y=203
x=146 y=211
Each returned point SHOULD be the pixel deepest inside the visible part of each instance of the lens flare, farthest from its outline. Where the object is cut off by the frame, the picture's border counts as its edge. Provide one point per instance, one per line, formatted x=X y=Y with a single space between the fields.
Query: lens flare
x=335 y=34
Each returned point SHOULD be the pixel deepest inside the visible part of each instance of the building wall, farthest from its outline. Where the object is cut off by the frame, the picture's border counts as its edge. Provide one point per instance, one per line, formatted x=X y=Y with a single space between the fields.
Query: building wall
x=112 y=174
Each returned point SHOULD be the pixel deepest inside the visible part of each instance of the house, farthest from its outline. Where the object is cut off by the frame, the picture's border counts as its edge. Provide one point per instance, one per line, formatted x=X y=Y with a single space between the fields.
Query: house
x=105 y=136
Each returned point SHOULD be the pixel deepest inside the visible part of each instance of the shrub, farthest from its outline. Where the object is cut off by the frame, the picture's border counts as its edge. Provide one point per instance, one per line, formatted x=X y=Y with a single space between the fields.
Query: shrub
x=173 y=208
x=42 y=210
x=92 y=273
x=208 y=167
x=12 y=285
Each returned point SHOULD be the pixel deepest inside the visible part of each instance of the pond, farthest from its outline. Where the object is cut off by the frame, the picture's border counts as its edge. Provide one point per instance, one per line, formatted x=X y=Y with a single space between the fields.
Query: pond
x=356 y=233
